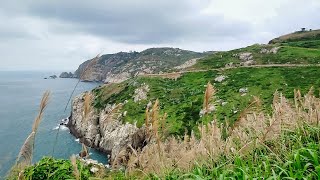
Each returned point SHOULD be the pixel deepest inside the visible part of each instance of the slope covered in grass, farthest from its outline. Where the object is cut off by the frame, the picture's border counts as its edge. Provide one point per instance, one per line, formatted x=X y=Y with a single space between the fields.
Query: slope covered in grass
x=281 y=145
x=286 y=54
x=297 y=36
x=182 y=99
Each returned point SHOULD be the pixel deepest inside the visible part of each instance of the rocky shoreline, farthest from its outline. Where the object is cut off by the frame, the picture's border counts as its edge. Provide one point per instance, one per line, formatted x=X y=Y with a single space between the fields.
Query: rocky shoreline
x=104 y=130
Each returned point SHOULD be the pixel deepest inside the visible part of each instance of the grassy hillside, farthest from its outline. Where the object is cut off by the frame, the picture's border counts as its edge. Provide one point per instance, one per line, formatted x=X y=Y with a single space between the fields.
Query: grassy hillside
x=284 y=145
x=286 y=54
x=182 y=99
x=297 y=36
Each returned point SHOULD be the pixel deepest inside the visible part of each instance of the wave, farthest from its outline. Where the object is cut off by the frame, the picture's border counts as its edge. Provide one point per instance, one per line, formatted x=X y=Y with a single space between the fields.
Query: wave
x=62 y=127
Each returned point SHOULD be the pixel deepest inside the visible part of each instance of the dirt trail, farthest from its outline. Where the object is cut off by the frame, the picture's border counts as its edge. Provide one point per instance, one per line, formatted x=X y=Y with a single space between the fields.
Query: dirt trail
x=175 y=75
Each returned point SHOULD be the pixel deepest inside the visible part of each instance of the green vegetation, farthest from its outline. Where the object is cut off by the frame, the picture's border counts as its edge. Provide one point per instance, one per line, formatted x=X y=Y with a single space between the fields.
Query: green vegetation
x=286 y=54
x=49 y=168
x=297 y=36
x=302 y=162
x=182 y=99
x=314 y=44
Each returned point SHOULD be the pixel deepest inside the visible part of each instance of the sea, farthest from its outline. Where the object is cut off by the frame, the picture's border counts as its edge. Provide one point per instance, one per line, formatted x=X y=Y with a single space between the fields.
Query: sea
x=20 y=96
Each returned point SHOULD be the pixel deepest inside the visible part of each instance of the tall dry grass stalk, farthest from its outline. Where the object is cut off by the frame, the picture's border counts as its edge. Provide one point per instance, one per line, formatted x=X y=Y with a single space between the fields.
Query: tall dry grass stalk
x=208 y=97
x=75 y=169
x=24 y=158
x=252 y=130
x=83 y=73
x=84 y=152
x=87 y=105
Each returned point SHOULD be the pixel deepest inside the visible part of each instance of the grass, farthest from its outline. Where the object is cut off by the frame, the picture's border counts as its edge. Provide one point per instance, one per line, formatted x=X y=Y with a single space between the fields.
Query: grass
x=284 y=145
x=312 y=44
x=182 y=100
x=287 y=54
x=298 y=36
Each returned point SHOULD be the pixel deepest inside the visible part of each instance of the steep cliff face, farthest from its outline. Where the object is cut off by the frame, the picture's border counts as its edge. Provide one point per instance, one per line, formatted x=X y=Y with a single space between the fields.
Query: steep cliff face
x=104 y=130
x=123 y=65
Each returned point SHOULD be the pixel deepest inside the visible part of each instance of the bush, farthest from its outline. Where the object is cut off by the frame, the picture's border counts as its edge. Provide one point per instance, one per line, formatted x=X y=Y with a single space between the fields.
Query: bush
x=50 y=168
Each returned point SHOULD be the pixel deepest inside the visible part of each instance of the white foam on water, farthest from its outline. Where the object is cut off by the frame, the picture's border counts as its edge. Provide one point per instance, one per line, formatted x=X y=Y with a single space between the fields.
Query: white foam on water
x=77 y=140
x=62 y=128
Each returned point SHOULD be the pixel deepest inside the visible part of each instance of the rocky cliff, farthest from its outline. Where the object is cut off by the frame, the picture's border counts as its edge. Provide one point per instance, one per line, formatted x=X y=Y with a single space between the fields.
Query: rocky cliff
x=123 y=65
x=104 y=130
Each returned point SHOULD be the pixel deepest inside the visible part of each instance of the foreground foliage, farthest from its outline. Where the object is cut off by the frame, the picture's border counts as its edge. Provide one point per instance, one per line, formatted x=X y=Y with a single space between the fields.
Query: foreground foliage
x=49 y=168
x=280 y=145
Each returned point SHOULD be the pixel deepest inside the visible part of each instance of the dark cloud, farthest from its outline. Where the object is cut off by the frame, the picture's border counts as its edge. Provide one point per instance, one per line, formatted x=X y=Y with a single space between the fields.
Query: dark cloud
x=142 y=22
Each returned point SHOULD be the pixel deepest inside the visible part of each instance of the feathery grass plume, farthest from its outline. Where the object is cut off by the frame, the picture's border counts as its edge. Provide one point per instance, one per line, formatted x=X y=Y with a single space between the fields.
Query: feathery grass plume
x=208 y=95
x=255 y=129
x=163 y=125
x=147 y=117
x=155 y=112
x=74 y=164
x=120 y=157
x=111 y=115
x=255 y=104
x=87 y=107
x=43 y=105
x=84 y=152
x=155 y=123
x=26 y=151
x=25 y=155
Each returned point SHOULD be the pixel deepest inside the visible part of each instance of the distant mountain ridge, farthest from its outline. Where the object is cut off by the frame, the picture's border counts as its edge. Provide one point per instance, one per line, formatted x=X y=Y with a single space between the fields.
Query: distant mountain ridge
x=123 y=65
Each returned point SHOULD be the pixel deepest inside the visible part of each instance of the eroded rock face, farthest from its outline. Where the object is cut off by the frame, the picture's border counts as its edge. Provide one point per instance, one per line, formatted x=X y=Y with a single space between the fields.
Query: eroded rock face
x=141 y=93
x=246 y=56
x=220 y=78
x=104 y=130
x=117 y=78
x=187 y=64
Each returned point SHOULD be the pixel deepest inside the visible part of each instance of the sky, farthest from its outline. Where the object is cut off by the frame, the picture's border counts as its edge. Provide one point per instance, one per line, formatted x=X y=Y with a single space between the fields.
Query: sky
x=60 y=35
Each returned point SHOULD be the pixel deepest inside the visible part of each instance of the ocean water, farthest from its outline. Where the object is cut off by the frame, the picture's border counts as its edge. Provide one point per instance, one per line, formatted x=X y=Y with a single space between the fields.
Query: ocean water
x=20 y=95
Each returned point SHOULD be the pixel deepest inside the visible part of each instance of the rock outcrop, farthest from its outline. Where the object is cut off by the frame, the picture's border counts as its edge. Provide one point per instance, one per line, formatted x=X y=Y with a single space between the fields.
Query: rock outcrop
x=246 y=59
x=141 y=93
x=273 y=50
x=66 y=75
x=104 y=130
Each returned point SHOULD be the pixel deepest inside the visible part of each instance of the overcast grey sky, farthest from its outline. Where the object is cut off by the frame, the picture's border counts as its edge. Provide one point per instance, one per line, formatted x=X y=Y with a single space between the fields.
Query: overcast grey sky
x=59 y=35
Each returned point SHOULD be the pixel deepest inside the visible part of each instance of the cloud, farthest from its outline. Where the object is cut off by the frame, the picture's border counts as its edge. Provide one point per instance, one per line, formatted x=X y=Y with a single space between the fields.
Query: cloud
x=142 y=22
x=62 y=34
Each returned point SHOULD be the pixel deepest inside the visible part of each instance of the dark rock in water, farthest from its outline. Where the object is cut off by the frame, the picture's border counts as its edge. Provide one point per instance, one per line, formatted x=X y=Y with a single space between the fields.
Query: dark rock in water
x=53 y=77
x=66 y=75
